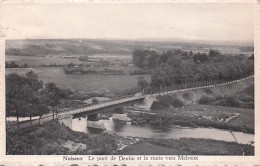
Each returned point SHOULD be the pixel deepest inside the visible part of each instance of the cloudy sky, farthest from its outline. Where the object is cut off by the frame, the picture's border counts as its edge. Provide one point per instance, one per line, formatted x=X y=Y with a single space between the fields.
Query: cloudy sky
x=210 y=22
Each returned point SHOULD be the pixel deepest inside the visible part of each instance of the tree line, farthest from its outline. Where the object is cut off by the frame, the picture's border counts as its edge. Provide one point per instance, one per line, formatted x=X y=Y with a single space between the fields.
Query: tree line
x=178 y=67
x=12 y=64
x=27 y=96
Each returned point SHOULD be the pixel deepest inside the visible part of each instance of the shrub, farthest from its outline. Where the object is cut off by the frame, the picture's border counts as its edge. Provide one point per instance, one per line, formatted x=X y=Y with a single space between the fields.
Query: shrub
x=119 y=110
x=186 y=96
x=208 y=91
x=230 y=101
x=95 y=100
x=157 y=105
x=205 y=100
x=165 y=101
x=177 y=103
x=83 y=58
x=156 y=123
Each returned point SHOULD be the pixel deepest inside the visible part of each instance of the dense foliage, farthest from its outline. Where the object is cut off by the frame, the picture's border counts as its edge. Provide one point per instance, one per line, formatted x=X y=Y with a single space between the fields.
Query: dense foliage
x=23 y=96
x=83 y=58
x=167 y=101
x=55 y=139
x=72 y=68
x=28 y=96
x=239 y=101
x=178 y=66
x=12 y=64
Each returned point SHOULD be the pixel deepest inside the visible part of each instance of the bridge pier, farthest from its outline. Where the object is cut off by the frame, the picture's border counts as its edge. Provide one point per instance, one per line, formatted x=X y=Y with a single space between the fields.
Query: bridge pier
x=94 y=123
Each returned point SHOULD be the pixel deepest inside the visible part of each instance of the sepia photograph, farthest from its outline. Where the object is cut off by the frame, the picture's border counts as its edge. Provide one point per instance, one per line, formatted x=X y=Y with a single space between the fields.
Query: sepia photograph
x=129 y=79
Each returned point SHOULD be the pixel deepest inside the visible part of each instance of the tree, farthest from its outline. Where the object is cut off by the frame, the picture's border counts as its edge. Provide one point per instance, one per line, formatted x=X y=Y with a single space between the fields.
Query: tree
x=251 y=57
x=22 y=95
x=12 y=64
x=201 y=57
x=71 y=65
x=190 y=54
x=142 y=83
x=138 y=58
x=160 y=78
x=51 y=96
x=145 y=58
x=33 y=82
x=83 y=58
x=213 y=53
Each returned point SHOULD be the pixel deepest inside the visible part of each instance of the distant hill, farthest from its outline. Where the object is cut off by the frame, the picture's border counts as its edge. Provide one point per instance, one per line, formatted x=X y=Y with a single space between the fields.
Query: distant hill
x=42 y=47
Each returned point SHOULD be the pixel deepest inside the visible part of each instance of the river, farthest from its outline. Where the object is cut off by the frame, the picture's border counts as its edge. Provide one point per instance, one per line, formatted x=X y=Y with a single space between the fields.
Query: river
x=175 y=132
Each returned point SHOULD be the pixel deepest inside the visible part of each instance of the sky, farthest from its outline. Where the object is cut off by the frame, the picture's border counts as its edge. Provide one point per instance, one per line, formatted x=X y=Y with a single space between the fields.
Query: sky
x=138 y=21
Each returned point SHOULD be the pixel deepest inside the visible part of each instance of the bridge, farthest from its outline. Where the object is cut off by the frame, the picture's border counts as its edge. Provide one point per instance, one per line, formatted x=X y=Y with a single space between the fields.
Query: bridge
x=94 y=109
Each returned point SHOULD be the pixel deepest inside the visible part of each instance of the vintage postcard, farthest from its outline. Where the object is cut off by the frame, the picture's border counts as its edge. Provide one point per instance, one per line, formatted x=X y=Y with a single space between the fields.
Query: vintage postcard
x=129 y=83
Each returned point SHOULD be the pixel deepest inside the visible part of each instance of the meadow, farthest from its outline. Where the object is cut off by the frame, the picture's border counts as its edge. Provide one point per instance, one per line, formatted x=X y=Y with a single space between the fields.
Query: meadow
x=36 y=61
x=114 y=83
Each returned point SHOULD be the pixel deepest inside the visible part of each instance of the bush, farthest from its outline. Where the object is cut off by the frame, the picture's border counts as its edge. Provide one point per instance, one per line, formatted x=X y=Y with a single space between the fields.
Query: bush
x=83 y=58
x=205 y=100
x=119 y=110
x=156 y=123
x=186 y=96
x=208 y=91
x=166 y=100
x=177 y=103
x=230 y=101
x=95 y=101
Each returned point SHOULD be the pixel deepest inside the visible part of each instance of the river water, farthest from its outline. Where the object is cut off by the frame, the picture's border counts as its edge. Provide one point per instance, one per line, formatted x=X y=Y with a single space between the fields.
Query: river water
x=175 y=132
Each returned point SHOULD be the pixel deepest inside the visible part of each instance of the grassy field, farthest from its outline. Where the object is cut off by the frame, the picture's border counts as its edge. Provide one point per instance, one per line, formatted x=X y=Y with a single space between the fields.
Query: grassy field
x=114 y=83
x=187 y=146
x=125 y=69
x=241 y=119
x=36 y=61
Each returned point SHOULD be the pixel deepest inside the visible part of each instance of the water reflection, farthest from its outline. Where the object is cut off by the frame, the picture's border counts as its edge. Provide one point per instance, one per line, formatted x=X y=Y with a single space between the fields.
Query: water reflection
x=94 y=130
x=118 y=125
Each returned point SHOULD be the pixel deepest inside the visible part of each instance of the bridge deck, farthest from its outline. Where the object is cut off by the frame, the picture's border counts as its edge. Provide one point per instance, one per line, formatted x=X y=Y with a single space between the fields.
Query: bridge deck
x=102 y=105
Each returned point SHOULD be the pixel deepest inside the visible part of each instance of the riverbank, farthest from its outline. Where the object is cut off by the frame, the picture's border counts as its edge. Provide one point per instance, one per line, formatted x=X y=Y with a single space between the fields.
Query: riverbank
x=215 y=107
x=53 y=138
x=187 y=146
x=228 y=118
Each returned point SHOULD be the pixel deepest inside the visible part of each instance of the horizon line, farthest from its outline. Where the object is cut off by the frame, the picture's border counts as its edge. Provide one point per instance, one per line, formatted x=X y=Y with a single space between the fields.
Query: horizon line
x=218 y=42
